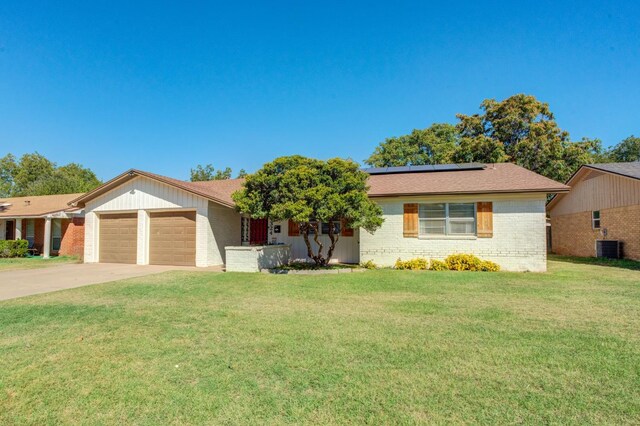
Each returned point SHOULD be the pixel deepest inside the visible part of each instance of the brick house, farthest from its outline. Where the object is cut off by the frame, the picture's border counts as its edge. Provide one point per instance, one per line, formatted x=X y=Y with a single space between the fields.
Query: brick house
x=496 y=211
x=604 y=204
x=51 y=226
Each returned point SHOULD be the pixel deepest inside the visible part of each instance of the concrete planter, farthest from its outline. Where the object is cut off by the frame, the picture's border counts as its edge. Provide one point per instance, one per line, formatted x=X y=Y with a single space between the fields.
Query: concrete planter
x=256 y=258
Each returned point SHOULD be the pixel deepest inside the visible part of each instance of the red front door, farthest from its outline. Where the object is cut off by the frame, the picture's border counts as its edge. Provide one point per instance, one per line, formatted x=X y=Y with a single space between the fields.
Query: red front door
x=258 y=231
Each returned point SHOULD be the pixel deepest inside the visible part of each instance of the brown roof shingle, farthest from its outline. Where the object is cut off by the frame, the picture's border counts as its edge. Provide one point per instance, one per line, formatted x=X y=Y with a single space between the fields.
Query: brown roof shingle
x=501 y=177
x=504 y=178
x=36 y=205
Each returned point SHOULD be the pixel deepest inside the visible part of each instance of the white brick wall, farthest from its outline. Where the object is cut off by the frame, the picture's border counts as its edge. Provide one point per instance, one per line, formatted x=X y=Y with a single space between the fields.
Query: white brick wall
x=518 y=243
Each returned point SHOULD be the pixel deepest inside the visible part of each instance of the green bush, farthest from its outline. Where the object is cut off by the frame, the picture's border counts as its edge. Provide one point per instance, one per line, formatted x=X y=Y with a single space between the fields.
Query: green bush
x=438 y=265
x=368 y=265
x=13 y=248
x=469 y=262
x=417 y=264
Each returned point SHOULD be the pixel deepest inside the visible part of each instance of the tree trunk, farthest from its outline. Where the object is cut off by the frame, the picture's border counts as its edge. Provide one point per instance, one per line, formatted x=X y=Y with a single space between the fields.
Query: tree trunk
x=334 y=240
x=317 y=257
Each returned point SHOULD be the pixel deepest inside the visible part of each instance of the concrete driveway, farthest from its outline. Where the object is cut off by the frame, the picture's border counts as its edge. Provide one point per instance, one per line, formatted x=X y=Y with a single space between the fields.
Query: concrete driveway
x=26 y=282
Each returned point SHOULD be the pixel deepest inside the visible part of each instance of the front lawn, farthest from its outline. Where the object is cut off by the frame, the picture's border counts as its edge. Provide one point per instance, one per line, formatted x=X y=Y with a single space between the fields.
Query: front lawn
x=375 y=347
x=34 y=262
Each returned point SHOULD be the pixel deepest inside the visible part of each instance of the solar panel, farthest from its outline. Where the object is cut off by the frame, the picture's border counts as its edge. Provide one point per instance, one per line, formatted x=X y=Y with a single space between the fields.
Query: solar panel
x=425 y=168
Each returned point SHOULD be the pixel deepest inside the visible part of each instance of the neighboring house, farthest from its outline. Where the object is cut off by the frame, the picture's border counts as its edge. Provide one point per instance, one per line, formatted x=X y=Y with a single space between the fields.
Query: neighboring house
x=50 y=225
x=495 y=211
x=604 y=204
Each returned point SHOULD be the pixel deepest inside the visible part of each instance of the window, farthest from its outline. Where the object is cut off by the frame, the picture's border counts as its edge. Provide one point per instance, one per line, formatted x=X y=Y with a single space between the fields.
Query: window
x=244 y=230
x=336 y=228
x=56 y=234
x=31 y=232
x=595 y=219
x=447 y=219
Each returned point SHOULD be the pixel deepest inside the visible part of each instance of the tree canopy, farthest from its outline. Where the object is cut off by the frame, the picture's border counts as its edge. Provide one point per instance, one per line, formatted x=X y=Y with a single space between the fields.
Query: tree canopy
x=34 y=174
x=309 y=192
x=519 y=129
x=627 y=150
x=208 y=172
x=434 y=145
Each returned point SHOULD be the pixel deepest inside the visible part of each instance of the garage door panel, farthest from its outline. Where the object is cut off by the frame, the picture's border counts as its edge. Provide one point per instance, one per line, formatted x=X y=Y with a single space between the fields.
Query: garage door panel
x=118 y=238
x=172 y=238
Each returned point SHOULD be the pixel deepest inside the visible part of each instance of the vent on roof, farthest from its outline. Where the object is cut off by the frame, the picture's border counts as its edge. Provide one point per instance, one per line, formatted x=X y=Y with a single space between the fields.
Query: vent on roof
x=27 y=202
x=425 y=169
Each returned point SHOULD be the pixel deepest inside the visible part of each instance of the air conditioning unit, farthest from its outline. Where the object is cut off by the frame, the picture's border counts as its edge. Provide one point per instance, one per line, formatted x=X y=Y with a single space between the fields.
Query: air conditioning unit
x=608 y=248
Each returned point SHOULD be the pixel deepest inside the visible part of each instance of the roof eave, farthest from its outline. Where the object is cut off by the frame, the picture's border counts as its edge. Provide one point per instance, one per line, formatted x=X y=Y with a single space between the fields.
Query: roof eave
x=610 y=171
x=508 y=191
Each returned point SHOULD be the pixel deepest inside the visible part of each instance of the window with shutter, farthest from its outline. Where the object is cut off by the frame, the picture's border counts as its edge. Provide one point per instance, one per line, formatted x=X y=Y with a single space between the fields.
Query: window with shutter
x=346 y=232
x=294 y=229
x=485 y=219
x=410 y=221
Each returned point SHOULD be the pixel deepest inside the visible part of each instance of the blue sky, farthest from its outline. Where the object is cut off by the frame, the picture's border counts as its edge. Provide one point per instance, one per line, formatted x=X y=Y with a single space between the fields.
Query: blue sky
x=163 y=86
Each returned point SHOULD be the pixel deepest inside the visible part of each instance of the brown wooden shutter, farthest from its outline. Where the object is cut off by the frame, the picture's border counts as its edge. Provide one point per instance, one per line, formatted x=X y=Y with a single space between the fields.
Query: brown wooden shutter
x=410 y=224
x=294 y=229
x=485 y=219
x=346 y=232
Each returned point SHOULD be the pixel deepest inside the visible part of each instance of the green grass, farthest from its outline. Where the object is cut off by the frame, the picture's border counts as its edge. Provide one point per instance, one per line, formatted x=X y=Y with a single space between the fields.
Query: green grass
x=377 y=347
x=634 y=265
x=34 y=262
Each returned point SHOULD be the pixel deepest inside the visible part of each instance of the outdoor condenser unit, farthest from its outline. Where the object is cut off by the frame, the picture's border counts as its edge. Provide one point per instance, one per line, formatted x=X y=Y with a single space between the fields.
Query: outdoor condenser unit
x=608 y=248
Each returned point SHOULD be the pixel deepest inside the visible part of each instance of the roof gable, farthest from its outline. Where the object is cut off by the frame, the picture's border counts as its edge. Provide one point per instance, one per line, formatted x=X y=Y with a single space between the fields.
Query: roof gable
x=588 y=171
x=217 y=191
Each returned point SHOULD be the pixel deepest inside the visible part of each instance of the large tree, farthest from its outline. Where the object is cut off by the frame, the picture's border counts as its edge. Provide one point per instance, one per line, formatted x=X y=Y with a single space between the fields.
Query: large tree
x=72 y=178
x=436 y=144
x=519 y=129
x=7 y=172
x=34 y=174
x=309 y=192
x=627 y=150
x=522 y=130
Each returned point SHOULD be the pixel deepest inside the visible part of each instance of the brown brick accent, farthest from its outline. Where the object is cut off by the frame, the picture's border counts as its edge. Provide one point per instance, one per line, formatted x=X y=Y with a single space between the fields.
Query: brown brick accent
x=572 y=234
x=72 y=243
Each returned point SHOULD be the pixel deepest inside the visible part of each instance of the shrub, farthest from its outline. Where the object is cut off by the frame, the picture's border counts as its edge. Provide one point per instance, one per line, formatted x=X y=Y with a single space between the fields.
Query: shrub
x=13 y=248
x=416 y=264
x=463 y=262
x=489 y=266
x=368 y=265
x=469 y=262
x=438 y=265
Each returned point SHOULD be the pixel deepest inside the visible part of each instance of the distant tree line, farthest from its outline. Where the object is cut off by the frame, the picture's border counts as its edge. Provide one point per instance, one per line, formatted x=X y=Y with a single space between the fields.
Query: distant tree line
x=519 y=129
x=208 y=172
x=34 y=174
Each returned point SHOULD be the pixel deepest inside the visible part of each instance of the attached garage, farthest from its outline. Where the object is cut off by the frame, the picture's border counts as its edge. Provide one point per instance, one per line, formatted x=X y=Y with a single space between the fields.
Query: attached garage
x=118 y=238
x=172 y=238
x=167 y=221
